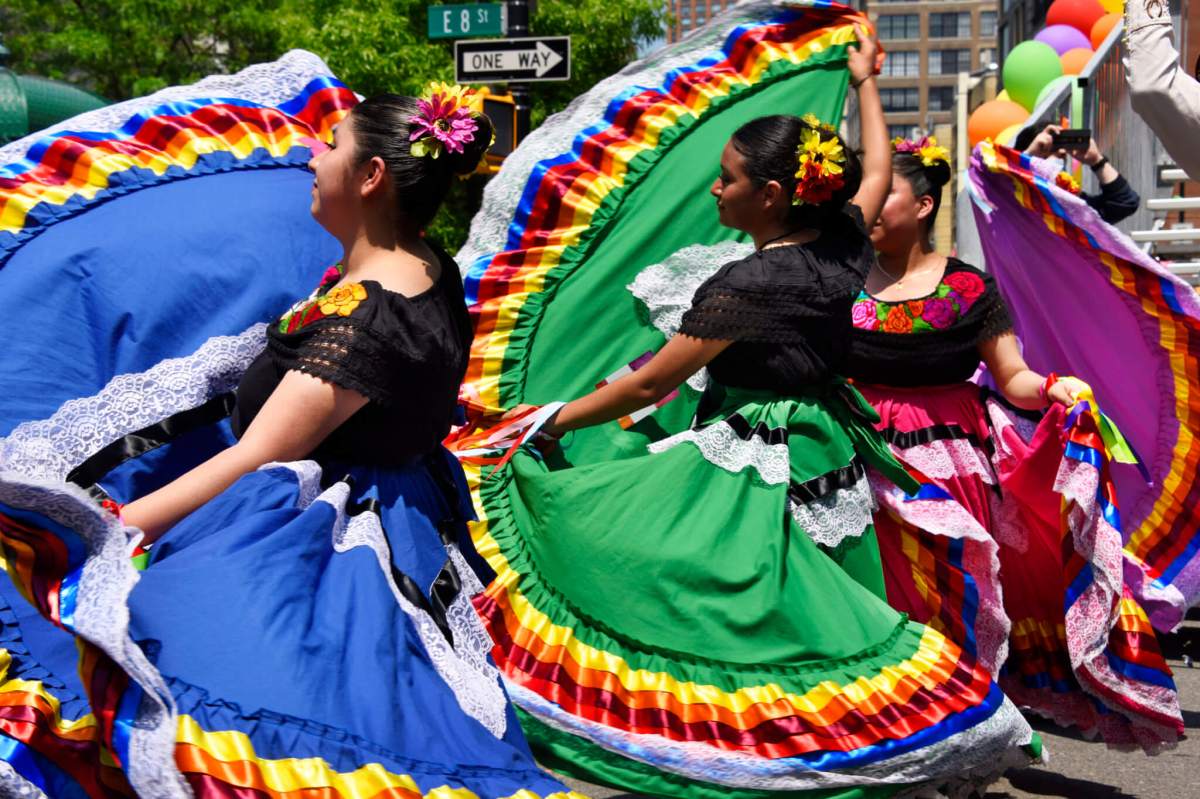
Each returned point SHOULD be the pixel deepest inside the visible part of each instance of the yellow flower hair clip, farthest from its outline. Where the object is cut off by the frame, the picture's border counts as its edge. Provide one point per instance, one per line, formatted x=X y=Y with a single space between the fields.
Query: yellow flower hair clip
x=813 y=122
x=926 y=148
x=821 y=168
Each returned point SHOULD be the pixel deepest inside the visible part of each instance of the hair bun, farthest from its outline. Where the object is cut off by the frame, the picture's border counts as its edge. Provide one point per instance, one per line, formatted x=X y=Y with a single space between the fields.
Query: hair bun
x=938 y=173
x=467 y=161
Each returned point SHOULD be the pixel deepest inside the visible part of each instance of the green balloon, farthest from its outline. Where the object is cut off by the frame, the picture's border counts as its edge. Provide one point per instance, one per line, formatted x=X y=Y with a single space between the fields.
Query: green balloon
x=1052 y=87
x=1027 y=69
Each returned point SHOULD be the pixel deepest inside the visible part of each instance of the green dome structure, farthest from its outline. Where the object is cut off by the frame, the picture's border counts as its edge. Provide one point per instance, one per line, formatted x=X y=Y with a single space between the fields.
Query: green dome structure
x=29 y=103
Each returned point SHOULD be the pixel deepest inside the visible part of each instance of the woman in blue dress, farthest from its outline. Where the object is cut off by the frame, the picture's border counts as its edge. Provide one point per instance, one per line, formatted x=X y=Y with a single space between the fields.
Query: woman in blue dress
x=303 y=626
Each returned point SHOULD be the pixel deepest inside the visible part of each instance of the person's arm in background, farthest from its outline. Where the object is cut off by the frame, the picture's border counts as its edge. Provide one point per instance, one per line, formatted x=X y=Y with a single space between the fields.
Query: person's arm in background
x=1116 y=199
x=1160 y=91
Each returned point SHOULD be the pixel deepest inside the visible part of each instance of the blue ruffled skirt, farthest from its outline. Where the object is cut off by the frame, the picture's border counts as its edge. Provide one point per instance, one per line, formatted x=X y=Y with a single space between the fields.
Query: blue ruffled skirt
x=310 y=629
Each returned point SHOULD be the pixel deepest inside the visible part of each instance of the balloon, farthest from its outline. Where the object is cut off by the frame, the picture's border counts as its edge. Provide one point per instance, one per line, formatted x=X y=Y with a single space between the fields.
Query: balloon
x=1103 y=27
x=992 y=117
x=1008 y=135
x=1051 y=88
x=1028 y=68
x=1079 y=14
x=1062 y=38
x=1113 y=6
x=1003 y=95
x=1075 y=60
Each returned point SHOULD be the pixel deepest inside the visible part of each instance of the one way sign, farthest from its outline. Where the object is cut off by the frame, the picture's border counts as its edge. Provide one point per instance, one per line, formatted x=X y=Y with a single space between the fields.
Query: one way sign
x=512 y=60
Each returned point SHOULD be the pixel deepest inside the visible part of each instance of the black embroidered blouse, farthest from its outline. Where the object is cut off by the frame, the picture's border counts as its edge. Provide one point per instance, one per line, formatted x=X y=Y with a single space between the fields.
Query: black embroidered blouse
x=787 y=310
x=927 y=341
x=406 y=355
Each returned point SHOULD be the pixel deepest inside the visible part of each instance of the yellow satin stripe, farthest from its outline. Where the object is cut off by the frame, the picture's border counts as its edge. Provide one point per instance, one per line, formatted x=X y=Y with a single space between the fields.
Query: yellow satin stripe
x=20 y=202
x=600 y=183
x=65 y=727
x=291 y=775
x=918 y=667
x=862 y=691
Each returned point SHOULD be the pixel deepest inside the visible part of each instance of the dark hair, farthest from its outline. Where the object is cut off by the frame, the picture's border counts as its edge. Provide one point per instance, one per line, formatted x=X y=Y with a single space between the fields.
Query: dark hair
x=926 y=181
x=1025 y=138
x=769 y=146
x=381 y=128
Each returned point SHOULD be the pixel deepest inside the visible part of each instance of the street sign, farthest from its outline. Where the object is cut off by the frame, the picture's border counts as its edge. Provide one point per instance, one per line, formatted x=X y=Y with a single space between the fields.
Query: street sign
x=460 y=21
x=537 y=58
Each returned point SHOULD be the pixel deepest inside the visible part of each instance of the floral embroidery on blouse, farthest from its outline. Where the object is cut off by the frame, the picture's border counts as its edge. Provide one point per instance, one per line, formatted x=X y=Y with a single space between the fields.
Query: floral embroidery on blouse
x=340 y=301
x=953 y=297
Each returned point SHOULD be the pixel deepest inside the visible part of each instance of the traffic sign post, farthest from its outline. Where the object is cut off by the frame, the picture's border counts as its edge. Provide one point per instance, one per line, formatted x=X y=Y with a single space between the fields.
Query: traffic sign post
x=464 y=20
x=527 y=60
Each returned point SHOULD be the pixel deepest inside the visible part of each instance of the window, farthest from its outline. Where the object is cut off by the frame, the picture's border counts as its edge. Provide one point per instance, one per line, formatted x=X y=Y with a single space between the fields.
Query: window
x=902 y=64
x=987 y=23
x=900 y=99
x=951 y=25
x=902 y=131
x=987 y=56
x=941 y=98
x=949 y=62
x=685 y=13
x=899 y=26
x=701 y=14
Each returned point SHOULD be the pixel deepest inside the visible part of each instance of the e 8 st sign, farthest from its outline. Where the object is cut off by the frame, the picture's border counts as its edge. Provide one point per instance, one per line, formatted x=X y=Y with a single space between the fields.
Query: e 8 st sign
x=464 y=21
x=537 y=58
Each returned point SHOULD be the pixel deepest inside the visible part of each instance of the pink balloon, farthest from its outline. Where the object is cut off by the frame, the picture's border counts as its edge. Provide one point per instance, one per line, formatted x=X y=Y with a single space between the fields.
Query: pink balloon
x=1062 y=38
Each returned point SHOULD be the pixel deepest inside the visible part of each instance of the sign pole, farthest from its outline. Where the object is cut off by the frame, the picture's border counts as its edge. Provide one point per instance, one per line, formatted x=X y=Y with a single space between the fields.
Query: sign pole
x=518 y=25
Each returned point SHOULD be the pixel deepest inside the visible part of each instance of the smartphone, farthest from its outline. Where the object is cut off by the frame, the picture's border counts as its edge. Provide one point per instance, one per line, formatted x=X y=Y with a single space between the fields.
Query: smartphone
x=1072 y=139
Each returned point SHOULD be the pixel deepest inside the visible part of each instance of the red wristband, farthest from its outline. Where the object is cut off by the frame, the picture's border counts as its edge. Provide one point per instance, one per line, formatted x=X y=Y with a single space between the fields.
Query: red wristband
x=1044 y=391
x=112 y=506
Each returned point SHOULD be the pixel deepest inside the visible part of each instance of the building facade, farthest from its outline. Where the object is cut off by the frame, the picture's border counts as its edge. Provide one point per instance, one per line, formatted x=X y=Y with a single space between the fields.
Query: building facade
x=928 y=43
x=687 y=15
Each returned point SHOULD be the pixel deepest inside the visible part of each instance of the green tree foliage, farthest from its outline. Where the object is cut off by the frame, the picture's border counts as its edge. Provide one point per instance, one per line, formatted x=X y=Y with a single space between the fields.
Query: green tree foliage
x=128 y=48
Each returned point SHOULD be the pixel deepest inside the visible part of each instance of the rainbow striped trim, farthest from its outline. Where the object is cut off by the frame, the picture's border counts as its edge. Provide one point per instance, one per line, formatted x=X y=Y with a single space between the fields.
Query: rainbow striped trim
x=1163 y=540
x=45 y=559
x=549 y=232
x=65 y=172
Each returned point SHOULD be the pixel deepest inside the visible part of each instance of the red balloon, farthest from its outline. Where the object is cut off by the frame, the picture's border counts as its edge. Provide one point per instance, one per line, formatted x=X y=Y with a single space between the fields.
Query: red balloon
x=1079 y=14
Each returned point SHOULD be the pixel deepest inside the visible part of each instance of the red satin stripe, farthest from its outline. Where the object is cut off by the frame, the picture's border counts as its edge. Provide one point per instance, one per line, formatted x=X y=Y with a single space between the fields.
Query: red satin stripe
x=918 y=707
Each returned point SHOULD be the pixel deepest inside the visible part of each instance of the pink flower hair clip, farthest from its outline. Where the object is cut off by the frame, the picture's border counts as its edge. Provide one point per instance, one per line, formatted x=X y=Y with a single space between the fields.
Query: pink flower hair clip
x=447 y=119
x=926 y=148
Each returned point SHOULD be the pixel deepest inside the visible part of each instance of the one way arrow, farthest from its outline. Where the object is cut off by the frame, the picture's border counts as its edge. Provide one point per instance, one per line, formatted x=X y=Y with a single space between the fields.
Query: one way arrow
x=541 y=59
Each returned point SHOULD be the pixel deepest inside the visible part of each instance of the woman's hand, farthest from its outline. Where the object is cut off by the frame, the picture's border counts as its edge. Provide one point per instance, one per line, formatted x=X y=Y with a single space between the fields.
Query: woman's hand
x=865 y=58
x=1065 y=391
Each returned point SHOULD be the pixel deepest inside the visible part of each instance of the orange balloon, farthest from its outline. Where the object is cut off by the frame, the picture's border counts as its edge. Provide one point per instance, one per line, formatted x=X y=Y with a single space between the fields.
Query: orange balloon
x=991 y=118
x=1079 y=14
x=1075 y=60
x=1102 y=28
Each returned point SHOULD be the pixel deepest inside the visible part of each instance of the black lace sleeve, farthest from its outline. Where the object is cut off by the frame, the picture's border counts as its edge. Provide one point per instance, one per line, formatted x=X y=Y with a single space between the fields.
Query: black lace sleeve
x=347 y=354
x=994 y=317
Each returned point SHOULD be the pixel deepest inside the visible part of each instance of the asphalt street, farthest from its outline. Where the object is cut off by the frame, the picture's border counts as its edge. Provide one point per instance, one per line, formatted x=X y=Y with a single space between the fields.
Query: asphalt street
x=1081 y=769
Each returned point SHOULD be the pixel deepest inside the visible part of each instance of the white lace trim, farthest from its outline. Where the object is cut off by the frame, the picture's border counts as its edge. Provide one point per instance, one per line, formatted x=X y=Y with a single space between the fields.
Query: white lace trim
x=469 y=676
x=831 y=519
x=944 y=459
x=964 y=761
x=555 y=136
x=981 y=560
x=102 y=618
x=723 y=447
x=268 y=85
x=14 y=786
x=49 y=449
x=667 y=288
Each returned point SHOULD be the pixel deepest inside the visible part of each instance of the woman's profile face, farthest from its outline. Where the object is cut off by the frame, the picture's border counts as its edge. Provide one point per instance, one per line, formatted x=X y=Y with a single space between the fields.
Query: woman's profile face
x=335 y=192
x=899 y=222
x=739 y=201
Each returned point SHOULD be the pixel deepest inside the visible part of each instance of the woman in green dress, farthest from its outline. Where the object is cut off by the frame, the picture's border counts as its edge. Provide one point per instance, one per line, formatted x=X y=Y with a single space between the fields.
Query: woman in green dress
x=700 y=621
